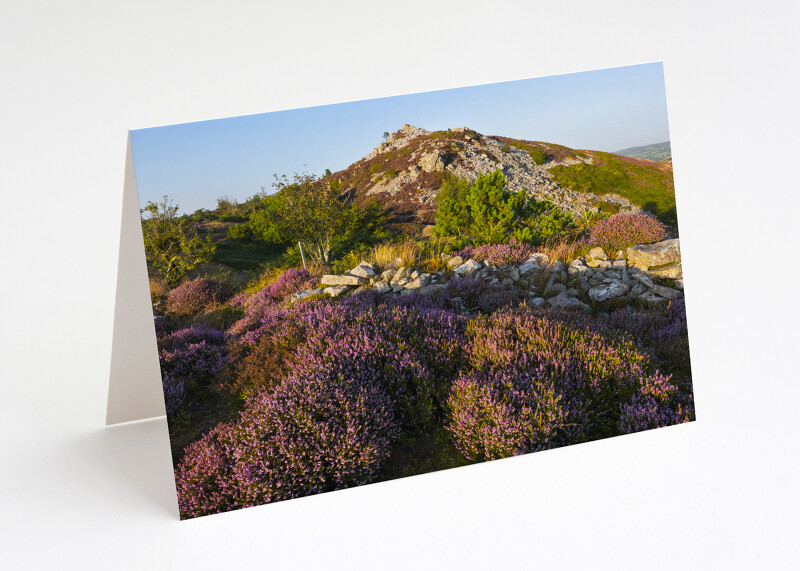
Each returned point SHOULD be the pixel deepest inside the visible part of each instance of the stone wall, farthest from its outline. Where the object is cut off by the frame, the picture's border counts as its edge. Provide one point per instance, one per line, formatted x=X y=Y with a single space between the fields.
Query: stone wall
x=650 y=274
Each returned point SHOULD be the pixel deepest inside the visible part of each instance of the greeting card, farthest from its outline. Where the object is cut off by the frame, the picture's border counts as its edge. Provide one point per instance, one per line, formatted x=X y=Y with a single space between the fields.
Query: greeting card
x=348 y=294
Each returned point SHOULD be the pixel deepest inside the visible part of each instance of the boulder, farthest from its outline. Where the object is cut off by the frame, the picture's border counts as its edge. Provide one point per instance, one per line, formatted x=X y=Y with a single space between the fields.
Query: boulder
x=343 y=280
x=306 y=293
x=650 y=298
x=597 y=253
x=387 y=275
x=666 y=292
x=430 y=288
x=645 y=256
x=671 y=271
x=381 y=287
x=528 y=267
x=539 y=258
x=467 y=268
x=420 y=281
x=607 y=291
x=364 y=270
x=432 y=162
x=454 y=262
x=536 y=301
x=564 y=301
x=401 y=274
x=336 y=290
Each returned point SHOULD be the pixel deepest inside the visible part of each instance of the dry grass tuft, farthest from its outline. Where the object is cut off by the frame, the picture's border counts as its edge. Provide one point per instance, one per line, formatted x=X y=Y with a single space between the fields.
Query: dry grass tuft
x=158 y=289
x=407 y=250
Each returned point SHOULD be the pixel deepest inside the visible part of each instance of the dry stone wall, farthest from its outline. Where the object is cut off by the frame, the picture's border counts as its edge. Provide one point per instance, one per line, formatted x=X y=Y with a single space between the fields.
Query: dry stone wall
x=648 y=274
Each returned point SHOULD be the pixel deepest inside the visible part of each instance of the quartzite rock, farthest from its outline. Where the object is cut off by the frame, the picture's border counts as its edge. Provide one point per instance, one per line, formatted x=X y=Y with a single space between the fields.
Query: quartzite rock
x=363 y=270
x=646 y=256
x=343 y=280
x=337 y=290
x=467 y=268
x=306 y=293
x=603 y=292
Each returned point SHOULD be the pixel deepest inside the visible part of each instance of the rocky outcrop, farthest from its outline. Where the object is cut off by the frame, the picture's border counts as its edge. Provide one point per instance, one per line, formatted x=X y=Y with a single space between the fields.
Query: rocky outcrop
x=594 y=281
x=406 y=172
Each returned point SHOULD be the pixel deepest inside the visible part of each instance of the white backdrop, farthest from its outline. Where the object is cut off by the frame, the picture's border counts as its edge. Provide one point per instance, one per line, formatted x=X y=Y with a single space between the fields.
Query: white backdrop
x=718 y=493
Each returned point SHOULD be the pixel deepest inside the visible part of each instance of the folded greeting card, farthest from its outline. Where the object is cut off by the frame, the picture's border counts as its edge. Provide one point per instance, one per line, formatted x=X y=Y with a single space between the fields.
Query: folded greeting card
x=353 y=293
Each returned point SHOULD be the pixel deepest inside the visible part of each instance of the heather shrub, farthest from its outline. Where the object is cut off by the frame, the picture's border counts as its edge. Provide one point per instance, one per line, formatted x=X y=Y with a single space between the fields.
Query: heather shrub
x=313 y=434
x=499 y=254
x=272 y=296
x=548 y=378
x=504 y=413
x=174 y=392
x=621 y=231
x=261 y=358
x=195 y=296
x=413 y=352
x=192 y=357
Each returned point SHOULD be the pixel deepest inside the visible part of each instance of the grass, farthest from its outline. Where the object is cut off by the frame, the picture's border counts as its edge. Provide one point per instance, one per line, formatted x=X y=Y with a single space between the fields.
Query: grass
x=158 y=289
x=647 y=186
x=244 y=256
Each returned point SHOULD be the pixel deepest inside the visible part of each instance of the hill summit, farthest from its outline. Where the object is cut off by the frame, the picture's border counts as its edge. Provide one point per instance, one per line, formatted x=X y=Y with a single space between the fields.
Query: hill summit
x=406 y=171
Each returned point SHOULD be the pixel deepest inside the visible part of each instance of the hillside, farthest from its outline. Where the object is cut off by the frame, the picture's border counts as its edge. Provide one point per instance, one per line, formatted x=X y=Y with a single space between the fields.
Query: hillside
x=406 y=172
x=658 y=152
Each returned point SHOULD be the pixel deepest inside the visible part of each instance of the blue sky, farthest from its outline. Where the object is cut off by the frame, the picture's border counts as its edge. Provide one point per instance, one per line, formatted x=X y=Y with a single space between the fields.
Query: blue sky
x=196 y=163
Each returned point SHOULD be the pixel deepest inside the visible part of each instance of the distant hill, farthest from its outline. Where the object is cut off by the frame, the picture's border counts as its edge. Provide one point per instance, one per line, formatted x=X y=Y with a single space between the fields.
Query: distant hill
x=659 y=152
x=406 y=172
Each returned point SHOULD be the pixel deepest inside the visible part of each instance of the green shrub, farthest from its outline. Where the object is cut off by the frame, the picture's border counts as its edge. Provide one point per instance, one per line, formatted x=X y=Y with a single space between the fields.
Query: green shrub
x=538 y=156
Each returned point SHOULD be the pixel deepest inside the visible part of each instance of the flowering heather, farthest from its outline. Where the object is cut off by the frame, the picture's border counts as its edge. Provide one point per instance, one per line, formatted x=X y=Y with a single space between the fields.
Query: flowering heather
x=272 y=295
x=174 y=392
x=547 y=377
x=498 y=254
x=623 y=230
x=505 y=413
x=238 y=301
x=191 y=357
x=311 y=435
x=195 y=296
x=329 y=386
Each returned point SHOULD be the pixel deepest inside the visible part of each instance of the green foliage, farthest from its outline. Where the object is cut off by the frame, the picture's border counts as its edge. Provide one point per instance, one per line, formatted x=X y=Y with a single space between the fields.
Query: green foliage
x=544 y=223
x=645 y=186
x=453 y=217
x=538 y=156
x=494 y=210
x=486 y=212
x=315 y=215
x=247 y=256
x=172 y=245
x=265 y=224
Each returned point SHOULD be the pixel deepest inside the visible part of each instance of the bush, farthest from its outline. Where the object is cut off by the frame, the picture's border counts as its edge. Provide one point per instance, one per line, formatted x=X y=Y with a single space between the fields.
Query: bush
x=195 y=296
x=498 y=254
x=506 y=413
x=272 y=295
x=552 y=378
x=538 y=156
x=312 y=435
x=189 y=358
x=624 y=230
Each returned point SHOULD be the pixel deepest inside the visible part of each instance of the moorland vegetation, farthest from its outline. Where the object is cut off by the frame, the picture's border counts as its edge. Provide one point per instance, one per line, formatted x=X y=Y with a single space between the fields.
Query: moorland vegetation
x=269 y=398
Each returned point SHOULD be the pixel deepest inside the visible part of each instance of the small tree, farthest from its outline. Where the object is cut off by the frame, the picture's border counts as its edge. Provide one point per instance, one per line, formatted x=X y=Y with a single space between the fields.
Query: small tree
x=315 y=214
x=453 y=218
x=171 y=245
x=494 y=210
